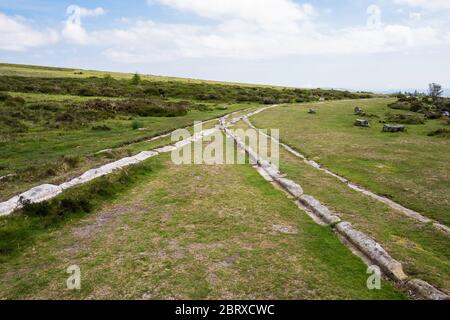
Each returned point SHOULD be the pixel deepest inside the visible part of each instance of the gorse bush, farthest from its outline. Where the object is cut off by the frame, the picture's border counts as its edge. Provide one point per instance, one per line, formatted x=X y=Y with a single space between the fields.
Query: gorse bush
x=136 y=125
x=405 y=118
x=443 y=132
x=72 y=161
x=136 y=79
x=4 y=96
x=102 y=127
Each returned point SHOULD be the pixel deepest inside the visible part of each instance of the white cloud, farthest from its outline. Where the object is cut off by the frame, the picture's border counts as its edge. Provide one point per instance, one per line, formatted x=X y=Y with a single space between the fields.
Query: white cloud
x=84 y=12
x=147 y=41
x=254 y=29
x=17 y=35
x=259 y=11
x=426 y=4
x=415 y=16
x=73 y=30
x=243 y=29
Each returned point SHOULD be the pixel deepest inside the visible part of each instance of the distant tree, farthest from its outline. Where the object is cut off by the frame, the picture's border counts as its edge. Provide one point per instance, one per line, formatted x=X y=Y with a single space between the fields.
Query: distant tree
x=435 y=90
x=136 y=79
x=108 y=79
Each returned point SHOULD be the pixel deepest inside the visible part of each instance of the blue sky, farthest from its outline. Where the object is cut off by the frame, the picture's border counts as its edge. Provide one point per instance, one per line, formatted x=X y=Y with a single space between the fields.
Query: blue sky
x=358 y=44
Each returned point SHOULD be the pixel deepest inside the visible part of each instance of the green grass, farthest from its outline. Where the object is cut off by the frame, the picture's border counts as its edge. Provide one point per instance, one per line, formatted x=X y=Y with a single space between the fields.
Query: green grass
x=158 y=239
x=411 y=168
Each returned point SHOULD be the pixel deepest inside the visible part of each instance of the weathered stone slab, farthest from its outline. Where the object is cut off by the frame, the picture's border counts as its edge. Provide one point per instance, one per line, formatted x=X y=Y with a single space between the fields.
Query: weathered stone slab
x=9 y=206
x=426 y=291
x=373 y=250
x=320 y=210
x=34 y=195
x=41 y=193
x=165 y=149
x=394 y=128
x=145 y=155
x=359 y=111
x=293 y=188
x=362 y=123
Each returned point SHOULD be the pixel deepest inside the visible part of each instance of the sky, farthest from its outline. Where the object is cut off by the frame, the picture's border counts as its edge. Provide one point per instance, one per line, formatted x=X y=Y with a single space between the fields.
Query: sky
x=356 y=44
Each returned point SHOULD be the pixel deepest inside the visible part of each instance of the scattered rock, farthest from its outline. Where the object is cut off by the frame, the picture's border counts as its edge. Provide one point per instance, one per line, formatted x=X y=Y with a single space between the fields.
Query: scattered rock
x=424 y=290
x=362 y=123
x=104 y=151
x=7 y=176
x=394 y=128
x=312 y=111
x=228 y=262
x=359 y=111
x=146 y=296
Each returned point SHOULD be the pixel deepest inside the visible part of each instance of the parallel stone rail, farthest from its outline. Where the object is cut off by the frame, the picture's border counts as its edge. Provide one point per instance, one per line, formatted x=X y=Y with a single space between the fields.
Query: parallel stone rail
x=48 y=191
x=367 y=246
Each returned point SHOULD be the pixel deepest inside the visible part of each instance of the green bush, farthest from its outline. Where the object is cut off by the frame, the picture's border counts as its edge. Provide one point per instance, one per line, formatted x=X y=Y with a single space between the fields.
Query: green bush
x=136 y=125
x=444 y=132
x=102 y=127
x=400 y=105
x=72 y=161
x=14 y=102
x=4 y=96
x=9 y=124
x=42 y=209
x=404 y=118
x=136 y=79
x=168 y=89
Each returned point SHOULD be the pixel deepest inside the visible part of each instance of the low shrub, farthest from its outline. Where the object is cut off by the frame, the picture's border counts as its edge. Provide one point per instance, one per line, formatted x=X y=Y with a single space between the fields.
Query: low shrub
x=432 y=115
x=443 y=132
x=42 y=209
x=72 y=161
x=404 y=118
x=70 y=205
x=14 y=102
x=103 y=127
x=10 y=124
x=4 y=96
x=136 y=125
x=400 y=105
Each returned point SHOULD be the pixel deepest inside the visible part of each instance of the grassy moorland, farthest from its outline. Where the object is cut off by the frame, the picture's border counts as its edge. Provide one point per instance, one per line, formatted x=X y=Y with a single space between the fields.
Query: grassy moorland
x=411 y=168
x=154 y=240
x=53 y=121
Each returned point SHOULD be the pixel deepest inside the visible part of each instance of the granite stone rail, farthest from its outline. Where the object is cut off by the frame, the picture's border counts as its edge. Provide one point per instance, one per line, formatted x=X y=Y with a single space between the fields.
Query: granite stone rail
x=356 y=239
x=48 y=191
